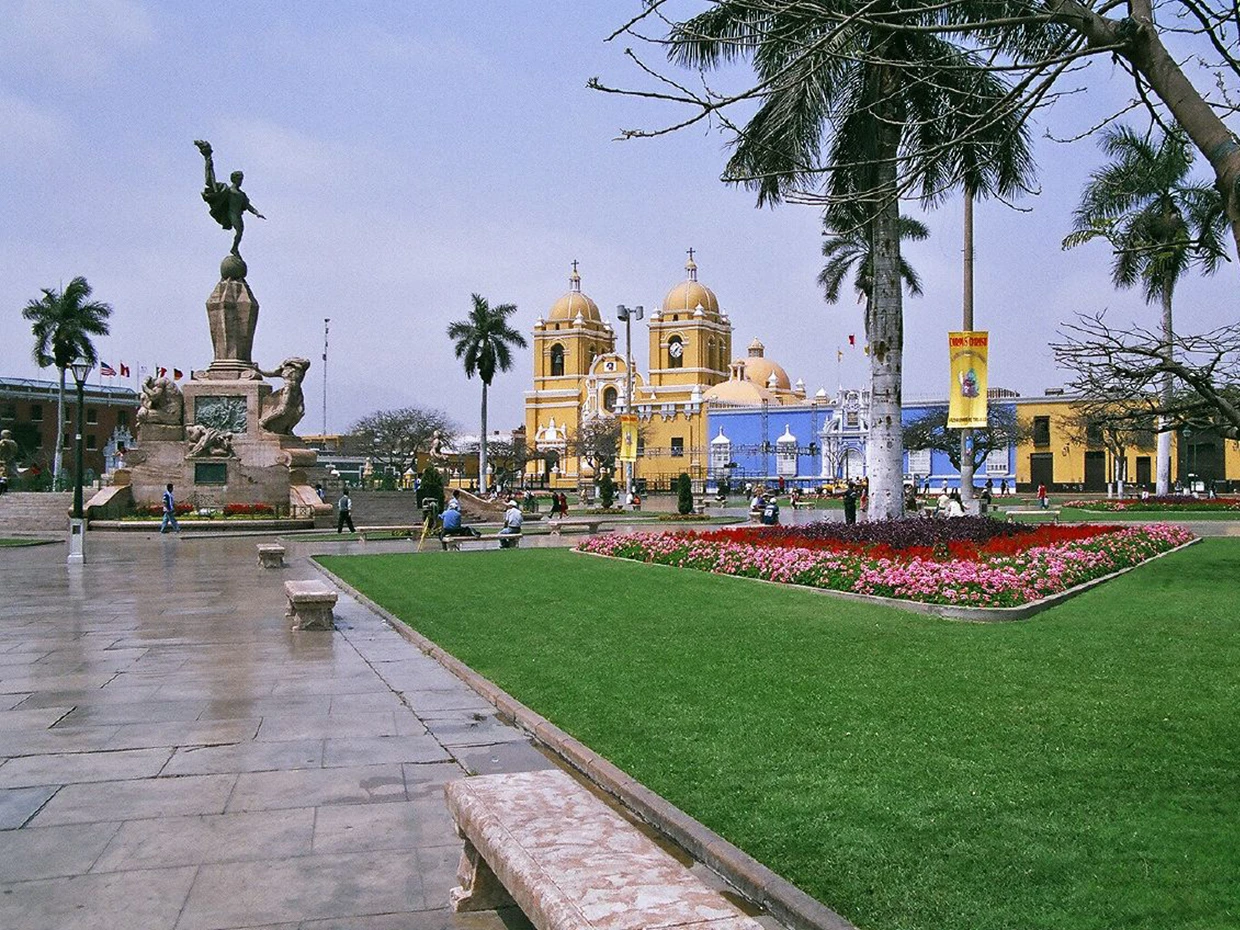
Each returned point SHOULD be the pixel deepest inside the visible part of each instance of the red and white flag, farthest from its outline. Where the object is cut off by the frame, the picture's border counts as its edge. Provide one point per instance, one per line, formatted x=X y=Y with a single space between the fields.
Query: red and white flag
x=124 y=370
x=177 y=374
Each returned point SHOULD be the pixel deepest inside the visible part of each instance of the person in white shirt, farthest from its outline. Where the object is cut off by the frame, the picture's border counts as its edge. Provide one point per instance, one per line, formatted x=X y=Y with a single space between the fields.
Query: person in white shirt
x=512 y=526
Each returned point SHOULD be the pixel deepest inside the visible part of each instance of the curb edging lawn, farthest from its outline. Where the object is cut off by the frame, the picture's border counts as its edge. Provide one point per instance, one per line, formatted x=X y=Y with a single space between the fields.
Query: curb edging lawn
x=787 y=903
x=946 y=611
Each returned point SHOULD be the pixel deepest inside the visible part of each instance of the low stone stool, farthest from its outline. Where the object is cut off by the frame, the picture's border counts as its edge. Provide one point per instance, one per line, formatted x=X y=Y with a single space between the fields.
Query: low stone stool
x=271 y=556
x=310 y=604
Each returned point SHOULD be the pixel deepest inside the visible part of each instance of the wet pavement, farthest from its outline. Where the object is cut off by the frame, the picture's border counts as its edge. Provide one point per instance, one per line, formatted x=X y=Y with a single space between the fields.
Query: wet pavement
x=172 y=755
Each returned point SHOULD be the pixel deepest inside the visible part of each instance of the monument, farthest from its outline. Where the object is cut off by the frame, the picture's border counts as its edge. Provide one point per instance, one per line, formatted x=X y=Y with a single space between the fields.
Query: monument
x=227 y=436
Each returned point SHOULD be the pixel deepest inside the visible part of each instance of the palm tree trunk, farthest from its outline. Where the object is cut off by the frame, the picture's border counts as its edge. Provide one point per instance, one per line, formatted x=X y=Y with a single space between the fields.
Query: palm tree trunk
x=885 y=447
x=1163 y=485
x=482 y=443
x=58 y=456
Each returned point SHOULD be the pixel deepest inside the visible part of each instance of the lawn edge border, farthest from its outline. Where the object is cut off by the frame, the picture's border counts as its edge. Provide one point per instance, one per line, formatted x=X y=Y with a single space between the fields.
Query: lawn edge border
x=945 y=611
x=783 y=900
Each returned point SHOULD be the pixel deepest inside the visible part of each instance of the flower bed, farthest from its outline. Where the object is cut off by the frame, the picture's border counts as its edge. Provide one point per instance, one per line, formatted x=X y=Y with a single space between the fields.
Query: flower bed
x=1169 y=503
x=957 y=562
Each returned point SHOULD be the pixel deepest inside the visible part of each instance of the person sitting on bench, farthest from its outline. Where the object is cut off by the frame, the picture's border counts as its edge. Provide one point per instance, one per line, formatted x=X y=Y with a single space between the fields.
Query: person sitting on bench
x=512 y=525
x=452 y=525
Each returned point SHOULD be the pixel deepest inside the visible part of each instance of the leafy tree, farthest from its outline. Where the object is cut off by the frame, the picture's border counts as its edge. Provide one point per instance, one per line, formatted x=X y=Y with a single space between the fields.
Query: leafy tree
x=684 y=493
x=484 y=343
x=63 y=323
x=847 y=246
x=394 y=438
x=596 y=442
x=1159 y=223
x=431 y=487
x=507 y=458
x=930 y=432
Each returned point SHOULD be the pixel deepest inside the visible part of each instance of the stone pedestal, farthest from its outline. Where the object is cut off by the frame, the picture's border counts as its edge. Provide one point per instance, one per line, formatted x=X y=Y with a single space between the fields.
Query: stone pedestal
x=232 y=312
x=261 y=470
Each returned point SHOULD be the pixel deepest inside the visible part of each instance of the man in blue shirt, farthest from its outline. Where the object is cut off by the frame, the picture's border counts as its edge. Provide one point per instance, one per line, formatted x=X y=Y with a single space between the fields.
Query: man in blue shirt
x=170 y=512
x=452 y=525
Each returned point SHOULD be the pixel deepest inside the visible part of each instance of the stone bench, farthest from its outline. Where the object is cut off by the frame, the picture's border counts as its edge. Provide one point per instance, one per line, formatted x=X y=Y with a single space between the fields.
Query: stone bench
x=559 y=527
x=1014 y=512
x=310 y=604
x=488 y=541
x=570 y=862
x=271 y=556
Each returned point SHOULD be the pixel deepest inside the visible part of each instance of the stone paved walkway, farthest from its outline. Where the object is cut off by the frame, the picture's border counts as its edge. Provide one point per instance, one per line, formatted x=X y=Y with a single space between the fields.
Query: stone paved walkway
x=173 y=756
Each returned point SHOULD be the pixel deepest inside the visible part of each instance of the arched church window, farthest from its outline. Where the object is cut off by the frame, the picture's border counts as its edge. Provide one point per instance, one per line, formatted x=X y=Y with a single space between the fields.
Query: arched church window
x=557 y=360
x=609 y=399
x=675 y=352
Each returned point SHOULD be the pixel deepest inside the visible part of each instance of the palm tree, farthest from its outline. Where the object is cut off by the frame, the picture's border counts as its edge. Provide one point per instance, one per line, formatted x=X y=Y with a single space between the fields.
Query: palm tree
x=63 y=322
x=847 y=247
x=902 y=109
x=484 y=342
x=1159 y=223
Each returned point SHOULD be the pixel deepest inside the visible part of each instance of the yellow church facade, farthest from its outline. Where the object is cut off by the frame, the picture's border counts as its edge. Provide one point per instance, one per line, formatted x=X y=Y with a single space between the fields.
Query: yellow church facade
x=581 y=380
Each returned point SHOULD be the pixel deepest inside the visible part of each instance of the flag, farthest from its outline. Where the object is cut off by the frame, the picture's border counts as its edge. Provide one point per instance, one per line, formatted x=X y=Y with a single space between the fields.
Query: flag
x=162 y=371
x=124 y=370
x=177 y=374
x=107 y=370
x=968 y=352
x=628 y=438
x=852 y=339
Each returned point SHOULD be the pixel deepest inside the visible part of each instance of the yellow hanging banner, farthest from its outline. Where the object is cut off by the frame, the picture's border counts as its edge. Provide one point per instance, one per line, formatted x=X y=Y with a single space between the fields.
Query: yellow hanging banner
x=966 y=407
x=628 y=437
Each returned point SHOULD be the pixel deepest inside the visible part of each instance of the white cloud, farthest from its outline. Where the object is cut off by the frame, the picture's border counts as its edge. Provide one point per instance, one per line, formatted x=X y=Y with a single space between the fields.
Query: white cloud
x=75 y=40
x=29 y=131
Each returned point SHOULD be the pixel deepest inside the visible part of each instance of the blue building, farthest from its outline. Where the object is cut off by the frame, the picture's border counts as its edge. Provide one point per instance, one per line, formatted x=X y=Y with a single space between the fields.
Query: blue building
x=822 y=441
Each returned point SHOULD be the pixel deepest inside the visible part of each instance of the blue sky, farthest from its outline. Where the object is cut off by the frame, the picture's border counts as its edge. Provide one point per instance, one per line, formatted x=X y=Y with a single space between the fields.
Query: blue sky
x=408 y=154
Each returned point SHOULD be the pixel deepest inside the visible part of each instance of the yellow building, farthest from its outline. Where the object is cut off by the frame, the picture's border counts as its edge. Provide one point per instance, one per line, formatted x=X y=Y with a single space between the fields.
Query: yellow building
x=580 y=378
x=1065 y=453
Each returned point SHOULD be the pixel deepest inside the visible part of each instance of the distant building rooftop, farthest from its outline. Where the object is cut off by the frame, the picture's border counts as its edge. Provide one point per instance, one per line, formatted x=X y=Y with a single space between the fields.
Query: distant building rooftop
x=36 y=389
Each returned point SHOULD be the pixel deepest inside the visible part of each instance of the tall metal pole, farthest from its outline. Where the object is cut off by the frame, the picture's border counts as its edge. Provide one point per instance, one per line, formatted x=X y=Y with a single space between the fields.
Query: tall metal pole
x=77 y=487
x=630 y=408
x=326 y=320
x=966 y=435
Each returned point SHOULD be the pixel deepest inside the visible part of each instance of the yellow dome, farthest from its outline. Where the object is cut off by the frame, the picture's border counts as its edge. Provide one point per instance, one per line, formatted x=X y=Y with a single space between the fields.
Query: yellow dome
x=687 y=296
x=740 y=392
x=565 y=309
x=759 y=368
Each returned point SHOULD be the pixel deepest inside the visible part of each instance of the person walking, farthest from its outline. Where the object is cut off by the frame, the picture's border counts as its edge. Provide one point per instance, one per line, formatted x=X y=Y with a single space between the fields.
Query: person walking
x=344 y=506
x=1042 y=501
x=170 y=512
x=850 y=503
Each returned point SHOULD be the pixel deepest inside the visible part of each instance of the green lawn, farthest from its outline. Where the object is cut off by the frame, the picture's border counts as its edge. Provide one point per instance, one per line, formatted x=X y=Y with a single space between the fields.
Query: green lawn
x=1080 y=770
x=1078 y=515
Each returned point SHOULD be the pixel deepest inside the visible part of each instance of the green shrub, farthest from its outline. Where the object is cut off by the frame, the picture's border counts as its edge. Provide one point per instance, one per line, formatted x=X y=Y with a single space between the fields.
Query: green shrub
x=431 y=488
x=684 y=494
x=606 y=490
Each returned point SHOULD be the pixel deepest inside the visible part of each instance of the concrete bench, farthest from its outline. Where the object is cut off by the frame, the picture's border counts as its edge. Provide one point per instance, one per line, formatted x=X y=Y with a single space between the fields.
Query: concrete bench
x=559 y=527
x=271 y=556
x=310 y=604
x=570 y=862
x=400 y=529
x=489 y=541
x=1014 y=512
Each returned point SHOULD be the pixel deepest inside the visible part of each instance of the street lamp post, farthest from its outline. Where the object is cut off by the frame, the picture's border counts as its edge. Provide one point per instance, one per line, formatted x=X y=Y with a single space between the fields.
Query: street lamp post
x=628 y=315
x=77 y=524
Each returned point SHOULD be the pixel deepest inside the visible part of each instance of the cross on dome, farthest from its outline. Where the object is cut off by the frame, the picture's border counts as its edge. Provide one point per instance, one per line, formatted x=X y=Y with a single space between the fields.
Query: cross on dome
x=574 y=279
x=691 y=265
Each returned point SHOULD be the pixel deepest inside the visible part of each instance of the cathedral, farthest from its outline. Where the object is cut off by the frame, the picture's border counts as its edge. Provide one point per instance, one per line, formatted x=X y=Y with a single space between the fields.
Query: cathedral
x=580 y=378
